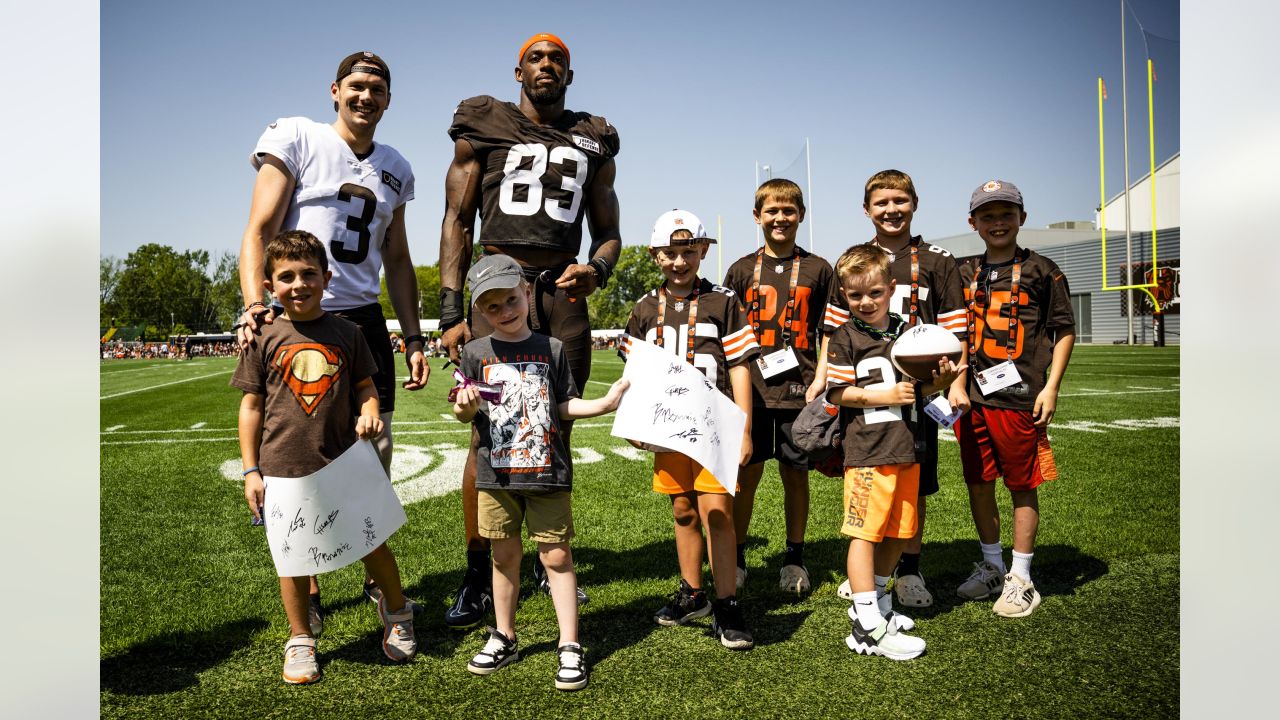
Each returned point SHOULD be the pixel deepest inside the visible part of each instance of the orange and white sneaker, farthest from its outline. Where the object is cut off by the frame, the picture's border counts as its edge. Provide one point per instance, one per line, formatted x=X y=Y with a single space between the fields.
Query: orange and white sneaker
x=300 y=665
x=398 y=640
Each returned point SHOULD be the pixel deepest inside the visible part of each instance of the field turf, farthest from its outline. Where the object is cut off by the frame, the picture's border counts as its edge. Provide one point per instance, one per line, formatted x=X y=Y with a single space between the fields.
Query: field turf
x=191 y=623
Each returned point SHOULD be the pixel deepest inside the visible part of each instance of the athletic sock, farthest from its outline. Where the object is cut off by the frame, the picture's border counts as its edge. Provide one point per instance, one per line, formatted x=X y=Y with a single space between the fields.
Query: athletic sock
x=795 y=554
x=909 y=564
x=884 y=601
x=742 y=555
x=993 y=554
x=1022 y=565
x=478 y=564
x=867 y=610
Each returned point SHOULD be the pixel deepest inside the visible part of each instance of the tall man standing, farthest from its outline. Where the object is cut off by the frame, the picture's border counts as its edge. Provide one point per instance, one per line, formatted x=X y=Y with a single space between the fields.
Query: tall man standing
x=532 y=171
x=335 y=182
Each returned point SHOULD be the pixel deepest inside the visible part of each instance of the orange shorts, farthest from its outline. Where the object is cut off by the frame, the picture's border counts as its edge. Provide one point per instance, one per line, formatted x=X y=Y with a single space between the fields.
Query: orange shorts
x=880 y=501
x=675 y=474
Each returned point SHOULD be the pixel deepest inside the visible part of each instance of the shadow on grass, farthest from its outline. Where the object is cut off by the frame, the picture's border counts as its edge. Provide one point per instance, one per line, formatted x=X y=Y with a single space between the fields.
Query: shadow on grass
x=171 y=663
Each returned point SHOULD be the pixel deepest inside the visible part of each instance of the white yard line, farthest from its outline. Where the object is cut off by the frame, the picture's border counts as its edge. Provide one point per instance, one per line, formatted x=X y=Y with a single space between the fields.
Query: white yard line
x=197 y=426
x=167 y=441
x=114 y=428
x=1119 y=392
x=154 y=387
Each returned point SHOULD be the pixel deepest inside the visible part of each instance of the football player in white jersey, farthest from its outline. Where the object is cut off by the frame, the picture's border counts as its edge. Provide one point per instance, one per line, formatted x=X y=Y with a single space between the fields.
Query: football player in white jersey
x=334 y=181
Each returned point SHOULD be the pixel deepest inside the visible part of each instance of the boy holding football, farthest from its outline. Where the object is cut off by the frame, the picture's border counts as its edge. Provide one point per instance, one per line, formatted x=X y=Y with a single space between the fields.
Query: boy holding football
x=882 y=470
x=1021 y=332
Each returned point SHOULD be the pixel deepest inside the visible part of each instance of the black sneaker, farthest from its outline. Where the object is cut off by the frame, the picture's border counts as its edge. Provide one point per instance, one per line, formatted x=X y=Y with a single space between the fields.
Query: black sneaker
x=572 y=674
x=543 y=585
x=498 y=651
x=686 y=604
x=729 y=626
x=373 y=594
x=471 y=603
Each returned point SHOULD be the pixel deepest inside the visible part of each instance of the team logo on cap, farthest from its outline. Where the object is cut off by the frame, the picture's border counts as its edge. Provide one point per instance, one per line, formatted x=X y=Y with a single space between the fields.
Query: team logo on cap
x=991 y=186
x=678 y=221
x=310 y=370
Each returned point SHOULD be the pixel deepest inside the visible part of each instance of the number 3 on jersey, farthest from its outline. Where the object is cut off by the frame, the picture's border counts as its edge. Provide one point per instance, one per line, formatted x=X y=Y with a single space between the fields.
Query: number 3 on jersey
x=358 y=225
x=530 y=178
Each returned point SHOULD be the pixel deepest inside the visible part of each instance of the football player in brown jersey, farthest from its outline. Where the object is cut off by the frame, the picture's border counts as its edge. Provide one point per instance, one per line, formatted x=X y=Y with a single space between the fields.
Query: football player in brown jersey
x=531 y=171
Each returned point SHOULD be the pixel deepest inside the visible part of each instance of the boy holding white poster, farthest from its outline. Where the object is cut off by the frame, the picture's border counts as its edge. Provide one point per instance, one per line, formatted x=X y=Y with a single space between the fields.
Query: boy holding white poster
x=707 y=326
x=304 y=383
x=516 y=388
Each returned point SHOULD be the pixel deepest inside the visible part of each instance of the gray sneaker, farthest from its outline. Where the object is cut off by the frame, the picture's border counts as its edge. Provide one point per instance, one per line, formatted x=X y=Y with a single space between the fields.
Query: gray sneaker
x=982 y=582
x=300 y=665
x=398 y=640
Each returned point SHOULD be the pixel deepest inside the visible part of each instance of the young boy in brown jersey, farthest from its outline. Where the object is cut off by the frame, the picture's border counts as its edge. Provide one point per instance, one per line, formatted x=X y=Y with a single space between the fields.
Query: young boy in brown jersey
x=785 y=291
x=928 y=290
x=305 y=432
x=1021 y=332
x=882 y=471
x=707 y=325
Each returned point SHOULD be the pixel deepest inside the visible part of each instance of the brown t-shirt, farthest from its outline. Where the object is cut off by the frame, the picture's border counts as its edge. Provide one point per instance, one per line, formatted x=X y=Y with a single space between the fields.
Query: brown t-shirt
x=307 y=372
x=813 y=285
x=940 y=294
x=879 y=435
x=722 y=338
x=1044 y=314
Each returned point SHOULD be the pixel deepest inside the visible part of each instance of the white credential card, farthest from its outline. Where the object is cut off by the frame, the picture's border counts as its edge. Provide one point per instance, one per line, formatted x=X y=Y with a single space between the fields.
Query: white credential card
x=672 y=404
x=332 y=517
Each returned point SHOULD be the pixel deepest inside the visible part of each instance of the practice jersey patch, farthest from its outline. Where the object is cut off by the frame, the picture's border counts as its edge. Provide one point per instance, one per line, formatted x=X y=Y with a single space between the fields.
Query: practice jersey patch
x=586 y=144
x=392 y=180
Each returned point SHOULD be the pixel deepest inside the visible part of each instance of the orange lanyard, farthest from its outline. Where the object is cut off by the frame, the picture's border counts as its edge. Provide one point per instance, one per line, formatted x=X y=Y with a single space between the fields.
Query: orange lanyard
x=1015 y=300
x=753 y=315
x=693 y=318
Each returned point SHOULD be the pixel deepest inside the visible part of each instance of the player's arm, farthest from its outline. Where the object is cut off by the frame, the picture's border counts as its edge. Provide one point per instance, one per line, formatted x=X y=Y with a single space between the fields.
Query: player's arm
x=369 y=423
x=461 y=203
x=578 y=408
x=740 y=382
x=820 y=372
x=1047 y=401
x=604 y=217
x=271 y=193
x=402 y=288
x=249 y=428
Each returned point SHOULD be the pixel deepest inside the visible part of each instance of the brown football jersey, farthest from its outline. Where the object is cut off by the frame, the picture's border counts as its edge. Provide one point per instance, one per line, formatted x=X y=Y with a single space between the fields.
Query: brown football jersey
x=940 y=292
x=535 y=176
x=1044 y=314
x=766 y=314
x=722 y=337
x=878 y=435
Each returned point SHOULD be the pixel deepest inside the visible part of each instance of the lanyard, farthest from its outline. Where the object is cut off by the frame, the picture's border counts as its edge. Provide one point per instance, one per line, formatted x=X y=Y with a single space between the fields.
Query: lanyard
x=1015 y=300
x=753 y=314
x=693 y=318
x=913 y=313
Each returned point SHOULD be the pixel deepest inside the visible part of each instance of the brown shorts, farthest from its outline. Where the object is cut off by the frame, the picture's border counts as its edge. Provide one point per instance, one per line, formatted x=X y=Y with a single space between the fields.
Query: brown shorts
x=880 y=501
x=549 y=516
x=675 y=474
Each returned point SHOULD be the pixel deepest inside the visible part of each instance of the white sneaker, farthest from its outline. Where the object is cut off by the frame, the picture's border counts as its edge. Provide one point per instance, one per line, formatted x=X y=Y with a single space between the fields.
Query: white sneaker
x=300 y=665
x=794 y=578
x=911 y=591
x=984 y=580
x=845 y=591
x=1019 y=599
x=898 y=621
x=884 y=640
x=399 y=643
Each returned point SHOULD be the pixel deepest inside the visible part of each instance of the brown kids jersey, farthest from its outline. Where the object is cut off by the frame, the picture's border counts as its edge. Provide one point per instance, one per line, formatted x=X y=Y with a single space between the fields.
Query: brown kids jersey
x=939 y=295
x=535 y=176
x=308 y=372
x=721 y=339
x=767 y=313
x=858 y=356
x=1043 y=314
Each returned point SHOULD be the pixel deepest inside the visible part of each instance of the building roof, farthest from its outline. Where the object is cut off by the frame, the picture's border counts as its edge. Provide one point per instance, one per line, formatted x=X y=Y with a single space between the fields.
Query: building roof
x=970 y=243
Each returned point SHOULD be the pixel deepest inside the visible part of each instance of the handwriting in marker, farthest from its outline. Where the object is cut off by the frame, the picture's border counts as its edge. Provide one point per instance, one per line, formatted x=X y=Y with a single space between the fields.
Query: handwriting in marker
x=297 y=522
x=276 y=512
x=322 y=526
x=318 y=556
x=691 y=434
x=677 y=390
x=369 y=535
x=285 y=548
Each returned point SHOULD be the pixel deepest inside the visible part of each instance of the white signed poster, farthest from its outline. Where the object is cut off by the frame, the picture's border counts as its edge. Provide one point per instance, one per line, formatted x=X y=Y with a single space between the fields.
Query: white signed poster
x=672 y=404
x=333 y=517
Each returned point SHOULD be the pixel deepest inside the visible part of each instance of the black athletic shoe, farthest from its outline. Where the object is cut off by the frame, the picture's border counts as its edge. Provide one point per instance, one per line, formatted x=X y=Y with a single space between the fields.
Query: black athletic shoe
x=500 y=650
x=471 y=603
x=729 y=625
x=686 y=604
x=543 y=585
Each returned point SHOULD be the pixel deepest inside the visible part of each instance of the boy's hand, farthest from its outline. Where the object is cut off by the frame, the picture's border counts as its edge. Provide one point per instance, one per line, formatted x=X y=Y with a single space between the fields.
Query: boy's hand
x=745 y=455
x=253 y=493
x=946 y=373
x=1046 y=405
x=467 y=404
x=815 y=390
x=614 y=396
x=903 y=393
x=368 y=427
x=959 y=399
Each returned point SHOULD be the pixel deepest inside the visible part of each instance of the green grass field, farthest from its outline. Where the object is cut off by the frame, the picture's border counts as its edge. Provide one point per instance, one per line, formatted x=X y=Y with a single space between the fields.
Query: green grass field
x=191 y=622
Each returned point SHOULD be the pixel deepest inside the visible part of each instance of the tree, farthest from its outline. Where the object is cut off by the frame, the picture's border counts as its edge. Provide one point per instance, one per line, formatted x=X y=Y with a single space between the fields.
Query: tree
x=428 y=292
x=162 y=287
x=635 y=275
x=224 y=290
x=109 y=269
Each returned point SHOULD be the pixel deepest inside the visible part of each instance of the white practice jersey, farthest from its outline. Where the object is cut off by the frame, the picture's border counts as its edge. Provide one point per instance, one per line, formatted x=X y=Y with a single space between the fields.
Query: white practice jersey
x=345 y=202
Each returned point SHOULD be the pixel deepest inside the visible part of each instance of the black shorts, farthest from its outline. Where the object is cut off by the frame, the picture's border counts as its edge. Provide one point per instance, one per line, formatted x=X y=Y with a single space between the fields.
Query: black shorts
x=555 y=314
x=771 y=437
x=929 y=461
x=374 y=328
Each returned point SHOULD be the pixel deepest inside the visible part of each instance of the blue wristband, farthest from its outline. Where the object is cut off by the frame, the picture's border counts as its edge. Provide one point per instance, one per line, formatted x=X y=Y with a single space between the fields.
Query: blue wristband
x=251 y=470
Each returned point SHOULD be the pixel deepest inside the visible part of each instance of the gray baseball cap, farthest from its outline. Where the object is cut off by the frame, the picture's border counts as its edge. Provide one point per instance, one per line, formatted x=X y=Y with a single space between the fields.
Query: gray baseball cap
x=995 y=191
x=493 y=272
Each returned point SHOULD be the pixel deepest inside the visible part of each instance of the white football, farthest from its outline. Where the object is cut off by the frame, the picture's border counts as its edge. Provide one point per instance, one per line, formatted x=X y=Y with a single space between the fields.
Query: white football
x=917 y=351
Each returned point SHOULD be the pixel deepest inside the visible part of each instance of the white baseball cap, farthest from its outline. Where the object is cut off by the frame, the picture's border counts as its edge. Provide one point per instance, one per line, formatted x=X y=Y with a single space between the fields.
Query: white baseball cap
x=669 y=222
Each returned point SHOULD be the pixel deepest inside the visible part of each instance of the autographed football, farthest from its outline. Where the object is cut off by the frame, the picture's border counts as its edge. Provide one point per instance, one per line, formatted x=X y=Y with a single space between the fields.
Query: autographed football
x=917 y=351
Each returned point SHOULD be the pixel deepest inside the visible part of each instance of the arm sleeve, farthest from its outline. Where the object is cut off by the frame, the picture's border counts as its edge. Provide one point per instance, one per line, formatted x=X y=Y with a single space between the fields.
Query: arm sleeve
x=739 y=339
x=473 y=122
x=1061 y=317
x=283 y=139
x=250 y=375
x=362 y=364
x=840 y=365
x=951 y=305
x=565 y=388
x=606 y=135
x=837 y=313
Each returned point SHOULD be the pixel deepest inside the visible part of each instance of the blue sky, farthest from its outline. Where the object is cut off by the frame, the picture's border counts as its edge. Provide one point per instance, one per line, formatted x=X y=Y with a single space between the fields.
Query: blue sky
x=953 y=93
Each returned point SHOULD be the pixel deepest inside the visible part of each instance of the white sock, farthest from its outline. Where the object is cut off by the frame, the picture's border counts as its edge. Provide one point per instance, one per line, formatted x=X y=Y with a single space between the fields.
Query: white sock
x=883 y=599
x=1022 y=565
x=867 y=609
x=993 y=554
